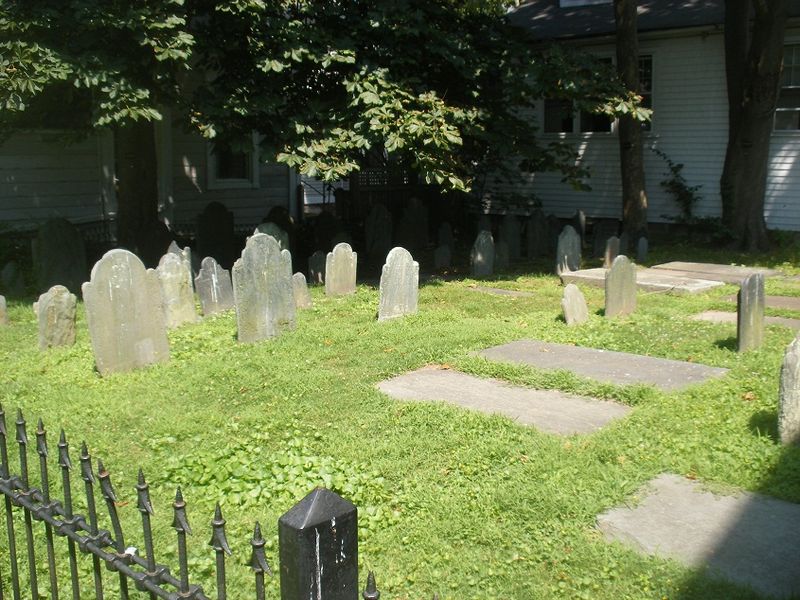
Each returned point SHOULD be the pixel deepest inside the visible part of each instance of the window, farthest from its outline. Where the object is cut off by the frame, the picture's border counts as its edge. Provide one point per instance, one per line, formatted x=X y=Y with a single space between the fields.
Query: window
x=787 y=113
x=233 y=167
x=575 y=3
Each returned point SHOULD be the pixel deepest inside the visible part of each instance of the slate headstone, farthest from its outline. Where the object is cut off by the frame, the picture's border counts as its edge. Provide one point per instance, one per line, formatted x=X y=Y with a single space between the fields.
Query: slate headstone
x=59 y=256
x=642 y=248
x=302 y=297
x=340 y=271
x=573 y=304
x=12 y=283
x=611 y=252
x=445 y=235
x=214 y=287
x=215 y=234
x=481 y=258
x=568 y=251
x=378 y=232
x=537 y=235
x=789 y=397
x=442 y=257
x=502 y=258
x=55 y=311
x=270 y=228
x=177 y=292
x=262 y=290
x=399 y=287
x=316 y=268
x=620 y=287
x=3 y=311
x=750 y=320
x=511 y=234
x=124 y=314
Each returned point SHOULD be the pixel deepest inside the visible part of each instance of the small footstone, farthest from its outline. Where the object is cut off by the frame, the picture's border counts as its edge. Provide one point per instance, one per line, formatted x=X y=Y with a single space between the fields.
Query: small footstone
x=620 y=288
x=340 y=270
x=748 y=539
x=482 y=257
x=548 y=410
x=3 y=311
x=316 y=268
x=399 y=287
x=55 y=311
x=302 y=298
x=789 y=397
x=574 y=306
x=750 y=324
x=568 y=251
x=214 y=287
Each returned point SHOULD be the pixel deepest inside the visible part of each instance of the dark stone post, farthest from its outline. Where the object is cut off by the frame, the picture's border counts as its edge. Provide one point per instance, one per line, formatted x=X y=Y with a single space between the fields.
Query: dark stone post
x=319 y=548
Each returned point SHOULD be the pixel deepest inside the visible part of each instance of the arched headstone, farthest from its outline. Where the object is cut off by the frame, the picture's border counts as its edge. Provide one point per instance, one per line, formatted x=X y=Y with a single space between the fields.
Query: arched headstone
x=399 y=287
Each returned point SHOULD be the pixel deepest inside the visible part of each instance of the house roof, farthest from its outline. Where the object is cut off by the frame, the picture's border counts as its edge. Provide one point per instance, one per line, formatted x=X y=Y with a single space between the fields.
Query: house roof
x=545 y=19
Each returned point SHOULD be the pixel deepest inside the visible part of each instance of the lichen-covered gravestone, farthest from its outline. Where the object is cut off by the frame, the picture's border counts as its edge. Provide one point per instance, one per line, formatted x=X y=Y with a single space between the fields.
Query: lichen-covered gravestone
x=621 y=287
x=316 y=268
x=302 y=298
x=124 y=314
x=262 y=290
x=574 y=306
x=611 y=252
x=214 y=287
x=511 y=234
x=185 y=254
x=3 y=311
x=399 y=287
x=481 y=258
x=274 y=230
x=378 y=232
x=177 y=293
x=568 y=251
x=789 y=397
x=750 y=320
x=59 y=256
x=55 y=311
x=340 y=271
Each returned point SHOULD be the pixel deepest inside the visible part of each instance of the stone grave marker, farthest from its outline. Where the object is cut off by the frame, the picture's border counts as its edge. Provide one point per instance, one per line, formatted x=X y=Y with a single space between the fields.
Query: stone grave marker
x=378 y=232
x=55 y=311
x=568 y=251
x=124 y=314
x=262 y=290
x=750 y=322
x=573 y=304
x=185 y=255
x=302 y=297
x=537 y=235
x=340 y=270
x=789 y=396
x=399 y=287
x=59 y=256
x=611 y=252
x=214 y=287
x=511 y=234
x=442 y=257
x=502 y=259
x=274 y=230
x=177 y=292
x=215 y=234
x=601 y=231
x=642 y=248
x=3 y=311
x=316 y=268
x=579 y=224
x=445 y=236
x=481 y=258
x=620 y=287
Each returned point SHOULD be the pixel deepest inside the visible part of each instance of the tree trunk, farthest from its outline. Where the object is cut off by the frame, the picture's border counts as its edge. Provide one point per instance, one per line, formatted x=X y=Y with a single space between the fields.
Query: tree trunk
x=634 y=196
x=753 y=59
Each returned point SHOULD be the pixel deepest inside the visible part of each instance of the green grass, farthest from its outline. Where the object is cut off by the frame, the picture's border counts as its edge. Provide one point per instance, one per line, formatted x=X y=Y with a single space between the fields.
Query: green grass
x=454 y=502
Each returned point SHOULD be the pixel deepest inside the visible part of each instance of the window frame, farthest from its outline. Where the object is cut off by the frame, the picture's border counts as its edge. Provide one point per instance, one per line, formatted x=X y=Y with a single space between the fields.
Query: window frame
x=215 y=182
x=794 y=87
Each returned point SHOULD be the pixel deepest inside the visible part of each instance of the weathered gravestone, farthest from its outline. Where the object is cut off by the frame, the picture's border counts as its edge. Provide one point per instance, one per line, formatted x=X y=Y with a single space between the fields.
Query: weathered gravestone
x=502 y=258
x=445 y=235
x=511 y=234
x=601 y=231
x=537 y=235
x=620 y=287
x=3 y=311
x=55 y=311
x=214 y=287
x=789 y=397
x=481 y=259
x=750 y=322
x=262 y=290
x=59 y=256
x=316 y=268
x=302 y=298
x=579 y=224
x=274 y=230
x=185 y=254
x=611 y=252
x=442 y=257
x=642 y=247
x=574 y=305
x=215 y=234
x=378 y=232
x=340 y=271
x=399 y=287
x=177 y=293
x=12 y=282
x=124 y=314
x=568 y=251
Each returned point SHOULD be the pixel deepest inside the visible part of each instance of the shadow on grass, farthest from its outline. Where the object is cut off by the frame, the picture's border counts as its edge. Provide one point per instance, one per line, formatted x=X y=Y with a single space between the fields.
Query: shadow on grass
x=729 y=343
x=765 y=423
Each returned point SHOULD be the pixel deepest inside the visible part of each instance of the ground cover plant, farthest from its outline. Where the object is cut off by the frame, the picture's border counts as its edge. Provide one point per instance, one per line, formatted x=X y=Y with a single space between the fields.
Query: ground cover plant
x=453 y=502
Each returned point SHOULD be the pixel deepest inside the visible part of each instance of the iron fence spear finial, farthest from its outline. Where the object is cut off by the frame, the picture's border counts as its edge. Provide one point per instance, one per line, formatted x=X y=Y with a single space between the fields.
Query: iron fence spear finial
x=371 y=591
x=258 y=559
x=181 y=525
x=63 y=451
x=220 y=544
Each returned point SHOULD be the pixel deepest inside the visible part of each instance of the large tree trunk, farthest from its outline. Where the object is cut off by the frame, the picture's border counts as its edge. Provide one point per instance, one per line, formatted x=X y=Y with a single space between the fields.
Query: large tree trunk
x=753 y=59
x=634 y=196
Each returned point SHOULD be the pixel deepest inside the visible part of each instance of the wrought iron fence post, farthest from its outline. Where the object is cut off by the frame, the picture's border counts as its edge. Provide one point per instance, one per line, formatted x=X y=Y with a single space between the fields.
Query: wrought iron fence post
x=91 y=508
x=12 y=538
x=258 y=561
x=41 y=449
x=68 y=522
x=111 y=499
x=146 y=508
x=22 y=440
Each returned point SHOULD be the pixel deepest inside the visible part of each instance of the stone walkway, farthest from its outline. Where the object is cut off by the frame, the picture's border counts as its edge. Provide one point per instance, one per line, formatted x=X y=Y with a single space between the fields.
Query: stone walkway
x=548 y=410
x=719 y=316
x=605 y=365
x=746 y=538
x=648 y=280
x=500 y=292
x=713 y=272
x=786 y=302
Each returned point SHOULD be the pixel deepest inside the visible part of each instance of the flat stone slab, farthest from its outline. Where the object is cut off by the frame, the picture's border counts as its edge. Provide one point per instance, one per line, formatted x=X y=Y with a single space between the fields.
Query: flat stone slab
x=786 y=302
x=747 y=538
x=548 y=410
x=719 y=316
x=714 y=272
x=619 y=368
x=500 y=292
x=647 y=280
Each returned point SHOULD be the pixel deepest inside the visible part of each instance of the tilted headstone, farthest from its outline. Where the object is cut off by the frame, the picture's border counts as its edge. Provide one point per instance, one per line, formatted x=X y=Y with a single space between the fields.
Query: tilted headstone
x=316 y=268
x=502 y=259
x=642 y=247
x=274 y=230
x=214 y=287
x=620 y=287
x=340 y=271
x=750 y=320
x=445 y=235
x=3 y=311
x=442 y=257
x=12 y=283
x=568 y=251
x=481 y=258
x=399 y=287
x=511 y=234
x=215 y=234
x=124 y=314
x=302 y=297
x=59 y=256
x=378 y=232
x=612 y=251
x=789 y=397
x=55 y=311
x=574 y=305
x=537 y=235
x=262 y=290
x=177 y=292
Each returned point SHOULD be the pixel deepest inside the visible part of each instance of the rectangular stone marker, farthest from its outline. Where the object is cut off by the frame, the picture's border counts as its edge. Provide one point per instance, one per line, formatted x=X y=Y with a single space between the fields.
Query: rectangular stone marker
x=568 y=251
x=573 y=305
x=481 y=258
x=548 y=410
x=55 y=311
x=750 y=323
x=719 y=316
x=399 y=287
x=611 y=252
x=316 y=268
x=340 y=271
x=3 y=311
x=647 y=280
x=177 y=291
x=748 y=539
x=214 y=287
x=714 y=272
x=302 y=298
x=789 y=396
x=262 y=290
x=619 y=368
x=620 y=288
x=124 y=314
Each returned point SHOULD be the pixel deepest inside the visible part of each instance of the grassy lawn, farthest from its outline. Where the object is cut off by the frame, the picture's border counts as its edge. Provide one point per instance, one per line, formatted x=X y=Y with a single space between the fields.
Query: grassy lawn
x=463 y=504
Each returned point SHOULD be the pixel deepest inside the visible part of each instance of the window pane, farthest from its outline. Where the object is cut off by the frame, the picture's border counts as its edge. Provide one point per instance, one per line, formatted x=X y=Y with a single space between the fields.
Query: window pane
x=787 y=120
x=557 y=116
x=232 y=164
x=594 y=122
